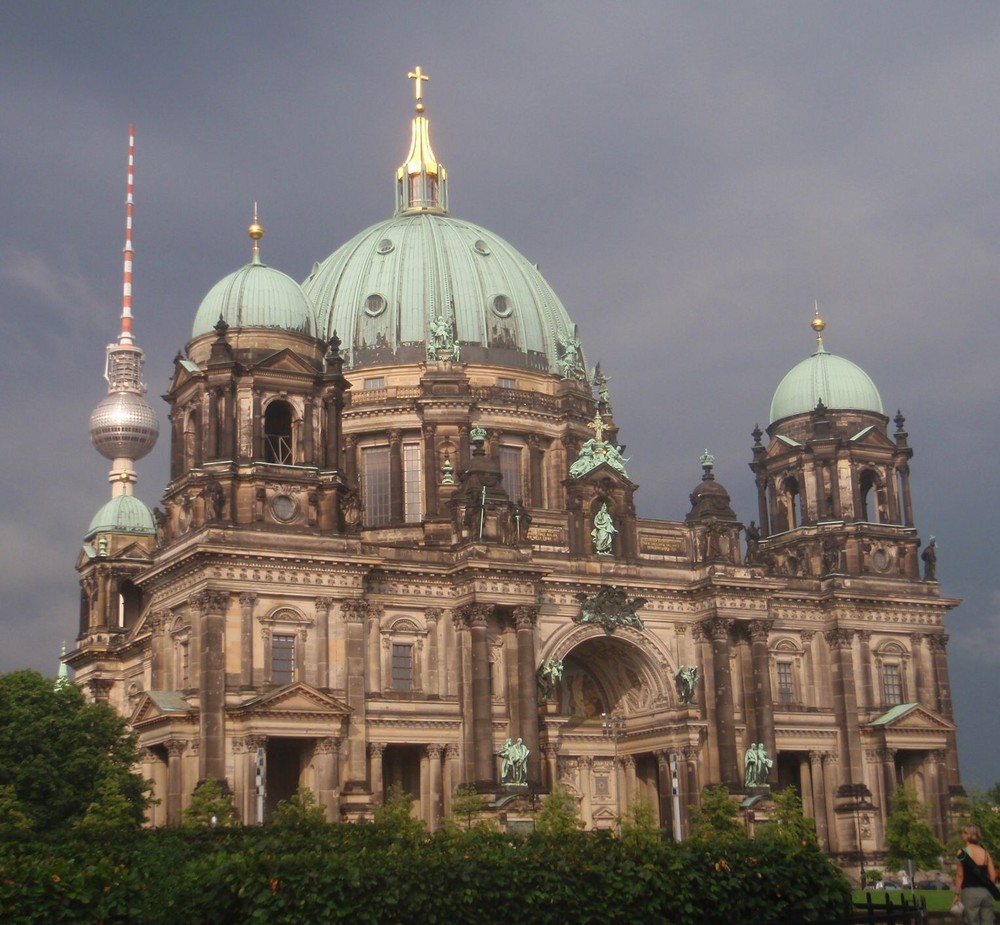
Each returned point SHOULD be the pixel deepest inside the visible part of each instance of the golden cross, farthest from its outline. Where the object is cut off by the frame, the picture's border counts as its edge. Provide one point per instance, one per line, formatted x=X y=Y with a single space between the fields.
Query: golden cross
x=416 y=76
x=597 y=426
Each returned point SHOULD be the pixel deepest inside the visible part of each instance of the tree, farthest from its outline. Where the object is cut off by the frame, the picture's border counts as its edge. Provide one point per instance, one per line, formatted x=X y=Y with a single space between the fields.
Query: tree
x=58 y=754
x=717 y=817
x=211 y=804
x=638 y=825
x=908 y=836
x=466 y=808
x=559 y=815
x=395 y=815
x=788 y=820
x=300 y=812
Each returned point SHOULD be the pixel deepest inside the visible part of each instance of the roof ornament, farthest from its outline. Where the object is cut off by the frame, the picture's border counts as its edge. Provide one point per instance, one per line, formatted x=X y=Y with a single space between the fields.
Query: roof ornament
x=818 y=325
x=256 y=232
x=421 y=182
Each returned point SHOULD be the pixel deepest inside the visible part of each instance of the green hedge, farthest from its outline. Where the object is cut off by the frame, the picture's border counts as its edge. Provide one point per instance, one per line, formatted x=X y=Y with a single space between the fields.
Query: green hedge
x=361 y=874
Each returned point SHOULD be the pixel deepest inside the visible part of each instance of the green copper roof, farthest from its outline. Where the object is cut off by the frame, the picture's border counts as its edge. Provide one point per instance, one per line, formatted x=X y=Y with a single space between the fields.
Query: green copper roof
x=124 y=514
x=838 y=383
x=895 y=713
x=382 y=290
x=256 y=296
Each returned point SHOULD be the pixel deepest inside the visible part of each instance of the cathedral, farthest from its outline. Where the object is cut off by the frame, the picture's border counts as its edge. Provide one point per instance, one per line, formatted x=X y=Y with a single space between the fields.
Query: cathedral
x=399 y=546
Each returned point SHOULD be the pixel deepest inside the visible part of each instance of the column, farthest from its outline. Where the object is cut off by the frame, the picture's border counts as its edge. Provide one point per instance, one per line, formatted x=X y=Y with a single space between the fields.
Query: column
x=396 y=514
x=525 y=619
x=665 y=788
x=763 y=700
x=845 y=701
x=212 y=430
x=435 y=795
x=889 y=783
x=762 y=512
x=938 y=643
x=322 y=605
x=175 y=749
x=482 y=706
x=628 y=784
x=432 y=686
x=308 y=456
x=806 y=787
x=354 y=612
x=375 y=751
x=867 y=692
x=157 y=624
x=463 y=687
x=551 y=752
x=227 y=449
x=535 y=454
x=452 y=775
x=586 y=763
x=829 y=788
x=718 y=629
x=373 y=634
x=350 y=461
x=693 y=788
x=212 y=693
x=703 y=657
x=431 y=475
x=247 y=602
x=942 y=791
x=809 y=668
x=819 y=799
x=904 y=471
x=327 y=759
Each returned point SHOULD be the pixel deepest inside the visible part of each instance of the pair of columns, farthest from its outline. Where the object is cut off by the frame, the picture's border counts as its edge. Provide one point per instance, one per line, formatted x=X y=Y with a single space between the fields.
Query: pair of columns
x=439 y=776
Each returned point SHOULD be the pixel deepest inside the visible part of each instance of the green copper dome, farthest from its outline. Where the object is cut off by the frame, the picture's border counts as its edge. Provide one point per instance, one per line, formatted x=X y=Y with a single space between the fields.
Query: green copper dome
x=124 y=514
x=255 y=296
x=383 y=289
x=838 y=383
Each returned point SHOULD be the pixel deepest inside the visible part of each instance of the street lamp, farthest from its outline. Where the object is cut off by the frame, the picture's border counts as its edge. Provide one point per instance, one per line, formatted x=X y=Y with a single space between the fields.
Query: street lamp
x=613 y=727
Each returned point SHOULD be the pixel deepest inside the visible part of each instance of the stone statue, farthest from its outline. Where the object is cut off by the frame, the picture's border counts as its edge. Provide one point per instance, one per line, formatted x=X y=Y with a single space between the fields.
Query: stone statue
x=929 y=555
x=686 y=681
x=593 y=453
x=351 y=508
x=601 y=384
x=753 y=544
x=570 y=355
x=214 y=500
x=442 y=344
x=603 y=532
x=610 y=608
x=549 y=674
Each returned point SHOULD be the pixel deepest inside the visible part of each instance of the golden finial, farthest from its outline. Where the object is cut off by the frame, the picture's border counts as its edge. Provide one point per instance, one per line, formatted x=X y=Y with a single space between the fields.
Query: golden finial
x=818 y=325
x=416 y=76
x=256 y=232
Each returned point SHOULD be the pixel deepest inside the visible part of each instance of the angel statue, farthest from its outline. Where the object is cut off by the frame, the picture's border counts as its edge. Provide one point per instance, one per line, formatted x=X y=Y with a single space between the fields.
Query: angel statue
x=686 y=680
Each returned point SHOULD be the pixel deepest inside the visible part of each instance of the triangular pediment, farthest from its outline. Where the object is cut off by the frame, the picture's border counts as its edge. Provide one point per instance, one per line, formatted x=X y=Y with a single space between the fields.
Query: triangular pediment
x=294 y=698
x=287 y=361
x=184 y=372
x=912 y=718
x=603 y=471
x=873 y=437
x=153 y=705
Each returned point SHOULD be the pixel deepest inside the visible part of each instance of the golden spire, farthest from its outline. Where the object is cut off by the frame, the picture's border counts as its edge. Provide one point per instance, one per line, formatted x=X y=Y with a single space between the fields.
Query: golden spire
x=256 y=232
x=818 y=325
x=421 y=182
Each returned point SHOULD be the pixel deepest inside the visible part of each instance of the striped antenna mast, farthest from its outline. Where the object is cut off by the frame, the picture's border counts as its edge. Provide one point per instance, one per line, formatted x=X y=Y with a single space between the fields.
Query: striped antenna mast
x=125 y=338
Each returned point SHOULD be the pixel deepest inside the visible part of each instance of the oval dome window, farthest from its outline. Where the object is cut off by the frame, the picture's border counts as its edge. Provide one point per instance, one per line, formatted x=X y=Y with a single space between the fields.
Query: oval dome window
x=385 y=246
x=501 y=307
x=375 y=304
x=481 y=247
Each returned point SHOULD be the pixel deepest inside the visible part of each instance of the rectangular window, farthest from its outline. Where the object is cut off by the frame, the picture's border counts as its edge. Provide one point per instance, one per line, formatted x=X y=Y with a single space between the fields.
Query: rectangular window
x=892 y=684
x=402 y=667
x=506 y=383
x=510 y=469
x=375 y=382
x=786 y=691
x=375 y=485
x=282 y=659
x=413 y=506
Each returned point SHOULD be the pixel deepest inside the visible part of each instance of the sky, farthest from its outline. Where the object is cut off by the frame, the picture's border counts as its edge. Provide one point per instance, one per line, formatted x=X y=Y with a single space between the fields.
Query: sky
x=689 y=177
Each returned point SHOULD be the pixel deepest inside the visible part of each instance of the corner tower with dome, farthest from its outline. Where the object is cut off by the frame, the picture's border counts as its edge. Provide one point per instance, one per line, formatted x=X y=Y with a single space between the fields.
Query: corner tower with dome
x=400 y=545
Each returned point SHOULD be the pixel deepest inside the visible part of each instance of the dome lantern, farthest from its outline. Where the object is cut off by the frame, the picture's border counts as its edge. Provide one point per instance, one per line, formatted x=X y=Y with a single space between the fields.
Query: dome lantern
x=421 y=181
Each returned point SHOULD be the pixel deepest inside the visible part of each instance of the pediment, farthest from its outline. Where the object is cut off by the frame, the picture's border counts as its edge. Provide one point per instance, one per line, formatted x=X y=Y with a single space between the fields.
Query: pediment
x=912 y=718
x=185 y=371
x=298 y=698
x=287 y=361
x=872 y=436
x=154 y=705
x=602 y=473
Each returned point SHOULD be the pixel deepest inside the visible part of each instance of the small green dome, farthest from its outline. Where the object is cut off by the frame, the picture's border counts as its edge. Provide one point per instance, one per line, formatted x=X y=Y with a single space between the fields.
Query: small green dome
x=840 y=384
x=383 y=289
x=256 y=296
x=124 y=514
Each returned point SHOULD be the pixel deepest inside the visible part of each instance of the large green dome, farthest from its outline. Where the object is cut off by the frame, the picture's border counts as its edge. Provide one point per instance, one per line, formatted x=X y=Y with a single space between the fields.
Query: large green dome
x=124 y=514
x=382 y=290
x=838 y=383
x=255 y=296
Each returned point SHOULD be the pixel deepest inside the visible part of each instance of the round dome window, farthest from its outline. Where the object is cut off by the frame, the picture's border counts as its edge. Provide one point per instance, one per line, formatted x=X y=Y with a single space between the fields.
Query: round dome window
x=501 y=307
x=481 y=247
x=385 y=246
x=375 y=304
x=283 y=507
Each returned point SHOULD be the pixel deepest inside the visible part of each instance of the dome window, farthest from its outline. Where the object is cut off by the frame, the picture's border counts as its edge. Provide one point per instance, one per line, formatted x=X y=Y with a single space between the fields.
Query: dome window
x=385 y=246
x=501 y=306
x=481 y=247
x=375 y=304
x=284 y=507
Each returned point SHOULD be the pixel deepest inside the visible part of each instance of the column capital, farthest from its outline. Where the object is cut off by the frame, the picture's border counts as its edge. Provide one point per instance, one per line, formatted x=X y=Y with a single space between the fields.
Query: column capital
x=210 y=602
x=451 y=751
x=376 y=749
x=354 y=609
x=938 y=641
x=323 y=605
x=839 y=638
x=432 y=614
x=525 y=617
x=328 y=745
x=691 y=752
x=718 y=628
x=475 y=614
x=248 y=599
x=760 y=629
x=175 y=747
x=434 y=752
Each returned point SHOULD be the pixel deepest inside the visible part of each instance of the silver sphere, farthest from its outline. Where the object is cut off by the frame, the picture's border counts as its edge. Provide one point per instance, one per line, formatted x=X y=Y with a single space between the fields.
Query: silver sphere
x=124 y=425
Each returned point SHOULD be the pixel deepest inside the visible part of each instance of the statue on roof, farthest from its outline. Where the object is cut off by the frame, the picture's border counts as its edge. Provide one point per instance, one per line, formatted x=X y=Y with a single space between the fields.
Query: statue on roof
x=442 y=344
x=570 y=353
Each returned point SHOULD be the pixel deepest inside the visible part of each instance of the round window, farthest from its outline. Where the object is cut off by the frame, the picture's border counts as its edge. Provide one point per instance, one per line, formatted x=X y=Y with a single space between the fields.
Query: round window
x=375 y=304
x=501 y=307
x=481 y=247
x=385 y=246
x=283 y=507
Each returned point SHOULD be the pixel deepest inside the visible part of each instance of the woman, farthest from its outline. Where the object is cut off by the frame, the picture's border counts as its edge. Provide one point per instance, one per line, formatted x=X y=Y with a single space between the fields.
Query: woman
x=974 y=878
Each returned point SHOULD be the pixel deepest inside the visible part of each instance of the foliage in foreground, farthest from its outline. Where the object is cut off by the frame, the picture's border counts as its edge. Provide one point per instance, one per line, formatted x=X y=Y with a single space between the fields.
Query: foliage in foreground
x=908 y=834
x=368 y=874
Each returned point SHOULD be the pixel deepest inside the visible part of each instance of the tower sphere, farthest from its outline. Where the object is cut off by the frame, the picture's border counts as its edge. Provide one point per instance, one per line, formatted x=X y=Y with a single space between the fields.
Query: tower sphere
x=123 y=425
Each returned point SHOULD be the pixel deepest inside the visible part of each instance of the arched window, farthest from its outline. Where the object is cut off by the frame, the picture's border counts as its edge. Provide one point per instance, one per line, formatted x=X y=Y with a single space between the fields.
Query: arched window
x=278 y=433
x=868 y=489
x=793 y=502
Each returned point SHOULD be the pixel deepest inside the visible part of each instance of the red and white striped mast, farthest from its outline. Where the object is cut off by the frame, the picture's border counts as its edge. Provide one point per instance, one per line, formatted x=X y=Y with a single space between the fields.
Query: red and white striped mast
x=125 y=337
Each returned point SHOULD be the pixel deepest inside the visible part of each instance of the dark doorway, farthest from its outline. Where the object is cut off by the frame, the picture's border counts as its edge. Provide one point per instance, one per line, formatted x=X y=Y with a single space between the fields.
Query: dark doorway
x=284 y=770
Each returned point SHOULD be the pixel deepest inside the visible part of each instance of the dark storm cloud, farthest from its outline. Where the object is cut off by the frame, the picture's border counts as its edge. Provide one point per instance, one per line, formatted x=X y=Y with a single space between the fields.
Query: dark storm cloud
x=689 y=177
